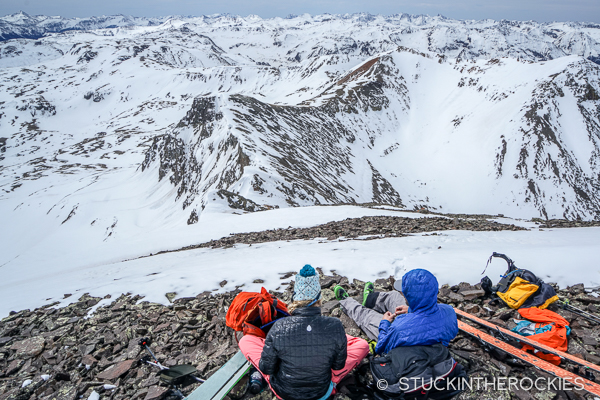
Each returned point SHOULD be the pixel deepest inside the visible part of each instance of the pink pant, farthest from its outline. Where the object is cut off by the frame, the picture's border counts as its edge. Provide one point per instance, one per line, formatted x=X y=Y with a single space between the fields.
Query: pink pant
x=252 y=346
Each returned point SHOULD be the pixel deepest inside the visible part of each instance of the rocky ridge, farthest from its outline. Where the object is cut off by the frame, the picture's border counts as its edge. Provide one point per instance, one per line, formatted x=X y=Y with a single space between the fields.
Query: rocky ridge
x=78 y=350
x=563 y=223
x=274 y=153
x=365 y=228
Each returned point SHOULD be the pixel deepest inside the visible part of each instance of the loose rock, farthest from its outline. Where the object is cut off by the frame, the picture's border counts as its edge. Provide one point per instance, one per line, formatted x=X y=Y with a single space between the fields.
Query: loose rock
x=81 y=355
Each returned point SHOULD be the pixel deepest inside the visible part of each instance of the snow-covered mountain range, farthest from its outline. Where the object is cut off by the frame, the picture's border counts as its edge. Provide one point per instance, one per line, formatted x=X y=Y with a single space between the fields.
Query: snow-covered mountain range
x=23 y=25
x=133 y=119
x=125 y=137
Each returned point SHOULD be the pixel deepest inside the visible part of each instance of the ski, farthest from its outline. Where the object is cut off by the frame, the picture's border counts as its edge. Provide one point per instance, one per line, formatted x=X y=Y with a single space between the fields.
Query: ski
x=221 y=382
x=530 y=359
x=529 y=341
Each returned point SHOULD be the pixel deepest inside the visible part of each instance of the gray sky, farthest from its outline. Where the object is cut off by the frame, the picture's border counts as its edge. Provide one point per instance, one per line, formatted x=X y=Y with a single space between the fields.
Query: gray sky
x=538 y=10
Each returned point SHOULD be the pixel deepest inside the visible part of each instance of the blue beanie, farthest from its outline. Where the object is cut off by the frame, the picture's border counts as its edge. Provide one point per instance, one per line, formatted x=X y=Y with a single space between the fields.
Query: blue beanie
x=307 y=286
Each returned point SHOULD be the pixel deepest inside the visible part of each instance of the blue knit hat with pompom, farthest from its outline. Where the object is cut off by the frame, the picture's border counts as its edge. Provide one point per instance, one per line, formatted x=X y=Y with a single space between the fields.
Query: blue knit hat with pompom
x=307 y=286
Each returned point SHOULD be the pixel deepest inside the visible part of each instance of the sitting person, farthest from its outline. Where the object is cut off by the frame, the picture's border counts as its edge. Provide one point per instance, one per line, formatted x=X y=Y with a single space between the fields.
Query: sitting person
x=386 y=317
x=304 y=355
x=412 y=338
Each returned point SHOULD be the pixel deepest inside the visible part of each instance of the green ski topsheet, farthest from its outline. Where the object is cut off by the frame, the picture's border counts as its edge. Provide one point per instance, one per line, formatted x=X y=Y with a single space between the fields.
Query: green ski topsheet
x=220 y=383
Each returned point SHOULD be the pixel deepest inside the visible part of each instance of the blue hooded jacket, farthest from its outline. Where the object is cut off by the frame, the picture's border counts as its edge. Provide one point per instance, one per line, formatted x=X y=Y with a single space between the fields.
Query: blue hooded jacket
x=426 y=323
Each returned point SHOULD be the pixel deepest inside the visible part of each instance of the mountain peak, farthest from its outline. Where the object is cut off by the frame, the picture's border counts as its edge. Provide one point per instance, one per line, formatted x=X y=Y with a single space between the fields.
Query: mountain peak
x=419 y=112
x=18 y=16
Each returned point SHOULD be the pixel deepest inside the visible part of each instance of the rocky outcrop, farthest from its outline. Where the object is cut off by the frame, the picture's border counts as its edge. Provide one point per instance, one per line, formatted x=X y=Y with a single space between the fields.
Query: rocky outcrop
x=239 y=202
x=563 y=223
x=365 y=228
x=304 y=153
x=319 y=150
x=545 y=151
x=37 y=106
x=199 y=154
x=383 y=191
x=76 y=351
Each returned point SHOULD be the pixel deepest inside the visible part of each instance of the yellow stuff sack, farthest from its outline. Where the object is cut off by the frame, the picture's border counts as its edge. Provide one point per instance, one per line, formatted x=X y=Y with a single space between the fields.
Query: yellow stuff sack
x=520 y=287
x=518 y=292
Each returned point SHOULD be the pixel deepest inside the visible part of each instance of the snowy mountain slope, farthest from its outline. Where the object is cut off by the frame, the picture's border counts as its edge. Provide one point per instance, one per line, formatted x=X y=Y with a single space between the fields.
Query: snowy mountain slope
x=404 y=129
x=123 y=141
x=23 y=25
x=68 y=264
x=127 y=133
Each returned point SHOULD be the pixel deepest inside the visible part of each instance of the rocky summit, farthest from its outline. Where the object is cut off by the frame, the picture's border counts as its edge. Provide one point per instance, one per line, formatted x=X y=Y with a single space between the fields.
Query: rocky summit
x=81 y=349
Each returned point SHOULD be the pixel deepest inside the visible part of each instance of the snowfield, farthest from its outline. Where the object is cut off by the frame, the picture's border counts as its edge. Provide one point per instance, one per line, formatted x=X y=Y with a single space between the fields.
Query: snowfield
x=66 y=264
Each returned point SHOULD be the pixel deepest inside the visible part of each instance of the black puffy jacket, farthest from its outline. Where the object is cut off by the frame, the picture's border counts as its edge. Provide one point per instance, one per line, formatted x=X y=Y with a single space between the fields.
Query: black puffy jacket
x=300 y=352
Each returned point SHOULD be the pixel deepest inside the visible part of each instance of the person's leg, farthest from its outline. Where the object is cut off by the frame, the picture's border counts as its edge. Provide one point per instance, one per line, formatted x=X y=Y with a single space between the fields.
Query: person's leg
x=385 y=301
x=251 y=347
x=357 y=351
x=368 y=320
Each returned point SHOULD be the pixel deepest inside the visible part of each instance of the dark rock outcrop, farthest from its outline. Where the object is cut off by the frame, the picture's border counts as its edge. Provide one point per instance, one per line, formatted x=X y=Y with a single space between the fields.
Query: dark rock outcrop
x=71 y=352
x=365 y=228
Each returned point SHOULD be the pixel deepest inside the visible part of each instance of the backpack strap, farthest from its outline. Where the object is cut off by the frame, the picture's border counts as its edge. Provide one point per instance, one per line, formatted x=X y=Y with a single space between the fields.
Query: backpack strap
x=271 y=323
x=265 y=312
x=506 y=280
x=511 y=264
x=275 y=306
x=315 y=300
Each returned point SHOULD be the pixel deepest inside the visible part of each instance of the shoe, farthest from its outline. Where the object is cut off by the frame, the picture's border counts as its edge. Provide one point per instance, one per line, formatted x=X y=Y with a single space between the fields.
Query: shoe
x=372 y=345
x=369 y=288
x=340 y=293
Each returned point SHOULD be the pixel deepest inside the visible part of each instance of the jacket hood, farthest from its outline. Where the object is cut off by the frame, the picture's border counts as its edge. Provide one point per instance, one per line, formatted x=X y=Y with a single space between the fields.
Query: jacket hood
x=420 y=288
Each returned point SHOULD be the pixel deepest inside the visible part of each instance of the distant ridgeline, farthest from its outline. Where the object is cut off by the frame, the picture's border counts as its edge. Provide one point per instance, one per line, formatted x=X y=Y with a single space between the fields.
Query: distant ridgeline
x=248 y=114
x=25 y=26
x=556 y=39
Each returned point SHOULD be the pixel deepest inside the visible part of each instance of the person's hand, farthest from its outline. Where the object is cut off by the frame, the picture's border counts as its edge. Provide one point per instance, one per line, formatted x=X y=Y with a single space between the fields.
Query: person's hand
x=401 y=310
x=388 y=316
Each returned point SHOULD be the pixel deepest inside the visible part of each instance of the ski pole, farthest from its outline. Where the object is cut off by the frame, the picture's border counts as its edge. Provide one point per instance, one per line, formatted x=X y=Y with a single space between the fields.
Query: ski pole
x=156 y=364
x=582 y=314
x=582 y=311
x=144 y=343
x=566 y=306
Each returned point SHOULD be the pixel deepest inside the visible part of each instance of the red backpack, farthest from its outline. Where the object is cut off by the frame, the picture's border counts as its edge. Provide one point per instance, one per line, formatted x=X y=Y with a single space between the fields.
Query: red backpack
x=254 y=313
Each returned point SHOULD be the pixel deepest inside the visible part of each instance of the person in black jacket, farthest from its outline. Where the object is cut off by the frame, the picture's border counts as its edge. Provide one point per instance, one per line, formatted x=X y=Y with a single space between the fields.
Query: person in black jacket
x=305 y=355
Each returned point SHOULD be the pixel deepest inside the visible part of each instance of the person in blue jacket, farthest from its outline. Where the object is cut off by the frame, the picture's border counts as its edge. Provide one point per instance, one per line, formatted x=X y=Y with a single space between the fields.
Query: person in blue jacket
x=410 y=316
